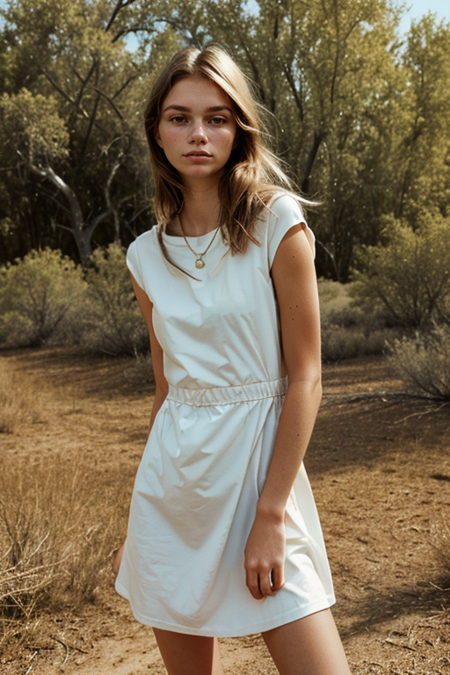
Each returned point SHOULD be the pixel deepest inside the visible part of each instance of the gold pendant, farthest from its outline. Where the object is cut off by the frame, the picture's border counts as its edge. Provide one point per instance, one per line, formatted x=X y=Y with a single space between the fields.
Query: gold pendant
x=199 y=263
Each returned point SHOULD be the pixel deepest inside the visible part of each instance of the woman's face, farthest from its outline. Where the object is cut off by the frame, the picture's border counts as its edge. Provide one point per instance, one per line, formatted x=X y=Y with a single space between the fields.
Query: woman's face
x=197 y=129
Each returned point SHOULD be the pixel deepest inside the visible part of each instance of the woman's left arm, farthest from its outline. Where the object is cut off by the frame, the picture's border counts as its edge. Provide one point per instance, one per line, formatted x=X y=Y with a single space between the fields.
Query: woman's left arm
x=294 y=278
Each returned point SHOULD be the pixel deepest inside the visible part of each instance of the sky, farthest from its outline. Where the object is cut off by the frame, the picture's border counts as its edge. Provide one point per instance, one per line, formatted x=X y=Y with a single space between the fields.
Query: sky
x=417 y=9
x=420 y=7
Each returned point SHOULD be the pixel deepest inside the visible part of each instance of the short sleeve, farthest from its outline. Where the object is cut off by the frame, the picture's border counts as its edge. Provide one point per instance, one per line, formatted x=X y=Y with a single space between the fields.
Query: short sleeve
x=133 y=263
x=285 y=213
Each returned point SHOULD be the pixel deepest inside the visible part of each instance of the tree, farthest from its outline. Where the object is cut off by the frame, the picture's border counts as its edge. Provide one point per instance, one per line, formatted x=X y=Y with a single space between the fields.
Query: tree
x=361 y=119
x=424 y=177
x=322 y=69
x=89 y=73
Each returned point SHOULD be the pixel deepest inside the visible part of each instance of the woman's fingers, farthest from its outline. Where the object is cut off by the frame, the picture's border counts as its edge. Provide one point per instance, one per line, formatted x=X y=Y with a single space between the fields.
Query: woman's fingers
x=265 y=583
x=262 y=584
x=277 y=577
x=264 y=557
x=252 y=581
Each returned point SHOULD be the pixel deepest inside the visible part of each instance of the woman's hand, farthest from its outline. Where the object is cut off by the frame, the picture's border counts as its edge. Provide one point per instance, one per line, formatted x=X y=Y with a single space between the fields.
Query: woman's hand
x=264 y=556
x=117 y=559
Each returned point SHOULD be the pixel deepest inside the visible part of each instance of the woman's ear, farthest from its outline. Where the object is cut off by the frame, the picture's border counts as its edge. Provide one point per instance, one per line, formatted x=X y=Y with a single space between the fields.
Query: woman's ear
x=158 y=138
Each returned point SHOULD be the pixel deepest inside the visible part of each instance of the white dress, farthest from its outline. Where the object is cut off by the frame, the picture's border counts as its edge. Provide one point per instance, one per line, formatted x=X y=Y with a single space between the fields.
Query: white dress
x=206 y=459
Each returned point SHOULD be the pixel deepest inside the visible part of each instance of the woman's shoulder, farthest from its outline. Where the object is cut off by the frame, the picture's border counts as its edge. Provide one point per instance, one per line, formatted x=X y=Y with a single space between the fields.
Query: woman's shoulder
x=141 y=258
x=145 y=239
x=282 y=212
x=284 y=204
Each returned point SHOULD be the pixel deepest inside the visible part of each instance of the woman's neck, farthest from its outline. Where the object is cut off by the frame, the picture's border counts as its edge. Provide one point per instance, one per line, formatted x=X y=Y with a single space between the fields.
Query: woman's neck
x=200 y=213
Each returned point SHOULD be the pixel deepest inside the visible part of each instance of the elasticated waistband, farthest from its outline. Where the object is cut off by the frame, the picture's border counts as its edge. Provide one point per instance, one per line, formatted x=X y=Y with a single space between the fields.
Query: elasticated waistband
x=228 y=395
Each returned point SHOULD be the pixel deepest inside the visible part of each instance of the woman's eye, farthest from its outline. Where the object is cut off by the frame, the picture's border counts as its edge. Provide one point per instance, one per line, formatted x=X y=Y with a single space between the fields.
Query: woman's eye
x=178 y=119
x=218 y=120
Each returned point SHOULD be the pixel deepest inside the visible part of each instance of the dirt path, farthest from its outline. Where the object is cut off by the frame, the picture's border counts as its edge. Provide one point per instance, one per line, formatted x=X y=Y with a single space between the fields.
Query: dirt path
x=380 y=469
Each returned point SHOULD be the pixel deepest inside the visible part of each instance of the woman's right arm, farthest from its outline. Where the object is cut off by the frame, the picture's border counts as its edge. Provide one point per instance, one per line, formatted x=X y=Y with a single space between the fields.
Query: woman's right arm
x=160 y=381
x=157 y=353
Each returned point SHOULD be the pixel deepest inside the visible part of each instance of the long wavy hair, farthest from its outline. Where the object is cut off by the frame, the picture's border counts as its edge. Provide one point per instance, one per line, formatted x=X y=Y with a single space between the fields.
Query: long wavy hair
x=252 y=174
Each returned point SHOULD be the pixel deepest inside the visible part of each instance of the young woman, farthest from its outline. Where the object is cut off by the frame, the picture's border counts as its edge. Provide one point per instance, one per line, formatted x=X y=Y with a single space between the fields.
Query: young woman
x=223 y=537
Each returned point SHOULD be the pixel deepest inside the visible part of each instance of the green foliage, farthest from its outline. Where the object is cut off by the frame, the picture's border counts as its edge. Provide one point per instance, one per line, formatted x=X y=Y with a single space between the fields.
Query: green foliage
x=39 y=298
x=44 y=298
x=360 y=116
x=323 y=69
x=409 y=275
x=116 y=325
x=31 y=127
x=423 y=363
x=423 y=175
x=75 y=120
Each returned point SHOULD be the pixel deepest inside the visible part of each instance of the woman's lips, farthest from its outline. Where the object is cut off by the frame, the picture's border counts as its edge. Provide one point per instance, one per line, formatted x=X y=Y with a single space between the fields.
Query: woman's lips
x=198 y=155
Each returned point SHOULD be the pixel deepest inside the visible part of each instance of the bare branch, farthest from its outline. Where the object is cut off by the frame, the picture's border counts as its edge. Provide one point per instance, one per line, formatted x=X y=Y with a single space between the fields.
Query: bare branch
x=111 y=102
x=77 y=102
x=132 y=29
x=125 y=85
x=56 y=86
x=92 y=116
x=290 y=78
x=121 y=4
x=108 y=200
x=90 y=229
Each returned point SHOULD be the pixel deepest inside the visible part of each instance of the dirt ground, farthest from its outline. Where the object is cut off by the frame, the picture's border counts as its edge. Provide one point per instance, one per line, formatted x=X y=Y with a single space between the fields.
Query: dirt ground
x=379 y=464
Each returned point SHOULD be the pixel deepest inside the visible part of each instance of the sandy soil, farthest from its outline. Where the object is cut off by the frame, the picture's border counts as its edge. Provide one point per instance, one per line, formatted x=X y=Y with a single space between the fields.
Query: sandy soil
x=379 y=464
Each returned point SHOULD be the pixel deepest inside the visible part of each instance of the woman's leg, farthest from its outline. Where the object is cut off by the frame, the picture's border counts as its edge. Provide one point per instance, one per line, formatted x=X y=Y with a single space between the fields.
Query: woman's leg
x=309 y=646
x=188 y=654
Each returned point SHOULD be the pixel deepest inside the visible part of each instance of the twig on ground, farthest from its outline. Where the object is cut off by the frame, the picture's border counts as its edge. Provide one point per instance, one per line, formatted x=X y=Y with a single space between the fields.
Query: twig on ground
x=397 y=644
x=30 y=668
x=65 y=647
x=422 y=413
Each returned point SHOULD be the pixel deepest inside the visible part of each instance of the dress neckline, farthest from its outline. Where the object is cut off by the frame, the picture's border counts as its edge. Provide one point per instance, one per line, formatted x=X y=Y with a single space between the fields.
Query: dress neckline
x=178 y=240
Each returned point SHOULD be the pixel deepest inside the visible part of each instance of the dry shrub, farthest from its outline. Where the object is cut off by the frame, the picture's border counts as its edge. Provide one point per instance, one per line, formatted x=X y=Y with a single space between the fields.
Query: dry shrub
x=40 y=297
x=340 y=343
x=114 y=320
x=408 y=273
x=141 y=370
x=347 y=331
x=18 y=400
x=423 y=363
x=56 y=538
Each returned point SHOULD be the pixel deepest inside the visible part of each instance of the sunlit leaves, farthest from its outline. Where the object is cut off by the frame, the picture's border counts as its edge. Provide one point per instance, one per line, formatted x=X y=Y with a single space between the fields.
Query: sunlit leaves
x=31 y=129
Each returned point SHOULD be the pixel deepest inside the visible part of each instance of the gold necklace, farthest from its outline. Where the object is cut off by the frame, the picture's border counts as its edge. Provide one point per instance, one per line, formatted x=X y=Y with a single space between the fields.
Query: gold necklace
x=199 y=263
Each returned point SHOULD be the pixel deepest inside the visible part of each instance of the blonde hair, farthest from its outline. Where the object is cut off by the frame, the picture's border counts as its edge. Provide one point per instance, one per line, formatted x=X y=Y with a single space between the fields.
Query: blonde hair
x=252 y=174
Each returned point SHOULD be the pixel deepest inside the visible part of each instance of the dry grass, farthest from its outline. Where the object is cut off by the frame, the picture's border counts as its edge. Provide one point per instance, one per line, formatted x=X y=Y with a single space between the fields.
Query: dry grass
x=380 y=468
x=57 y=541
x=441 y=545
x=19 y=401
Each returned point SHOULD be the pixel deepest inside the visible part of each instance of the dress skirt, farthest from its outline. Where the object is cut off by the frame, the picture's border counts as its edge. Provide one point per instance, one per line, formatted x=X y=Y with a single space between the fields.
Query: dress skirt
x=192 y=509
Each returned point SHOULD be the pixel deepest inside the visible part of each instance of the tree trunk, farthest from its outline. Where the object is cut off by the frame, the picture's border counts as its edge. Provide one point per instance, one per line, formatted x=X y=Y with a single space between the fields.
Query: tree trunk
x=308 y=164
x=81 y=231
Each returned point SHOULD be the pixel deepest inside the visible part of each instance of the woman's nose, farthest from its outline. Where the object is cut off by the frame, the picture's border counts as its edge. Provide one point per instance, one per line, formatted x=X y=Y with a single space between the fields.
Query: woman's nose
x=198 y=133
